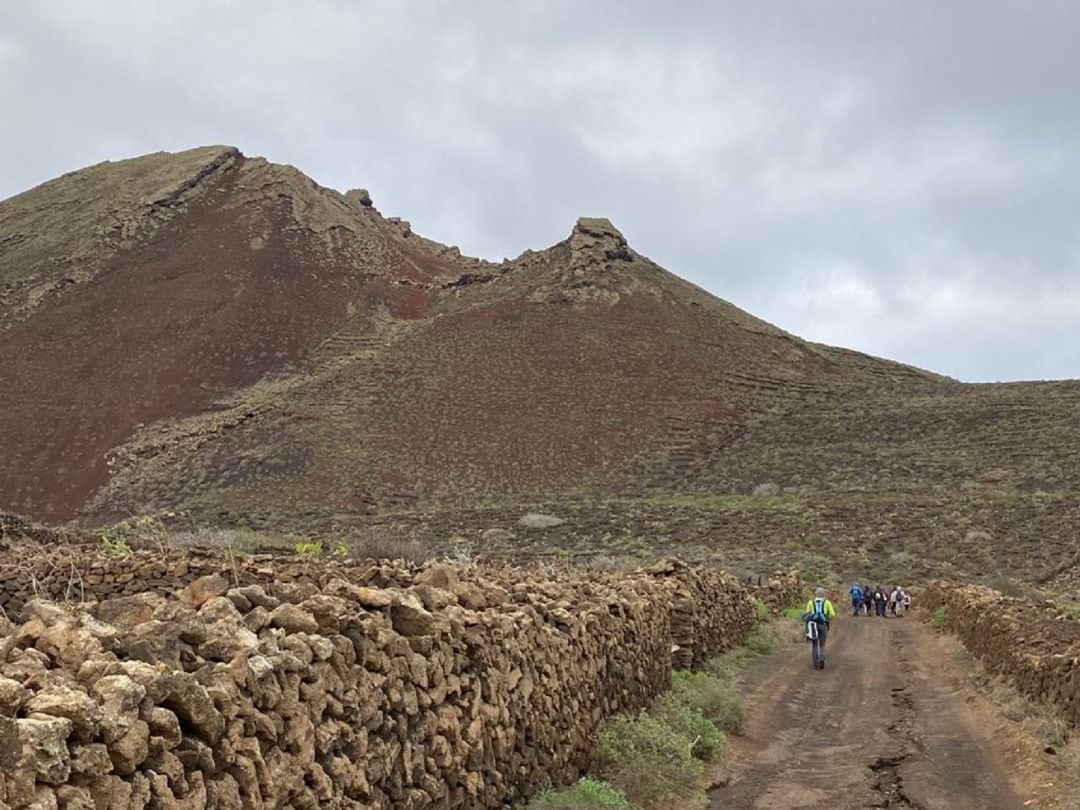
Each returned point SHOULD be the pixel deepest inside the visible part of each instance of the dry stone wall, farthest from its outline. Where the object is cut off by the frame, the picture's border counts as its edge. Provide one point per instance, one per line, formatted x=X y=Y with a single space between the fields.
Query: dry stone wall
x=1032 y=644
x=326 y=686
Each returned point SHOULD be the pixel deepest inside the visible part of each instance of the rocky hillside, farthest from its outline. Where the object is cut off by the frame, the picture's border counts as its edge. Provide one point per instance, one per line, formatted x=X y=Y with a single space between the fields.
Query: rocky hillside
x=219 y=338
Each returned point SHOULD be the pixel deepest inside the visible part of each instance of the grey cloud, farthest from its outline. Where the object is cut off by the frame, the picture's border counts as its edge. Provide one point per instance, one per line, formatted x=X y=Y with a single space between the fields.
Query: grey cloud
x=899 y=178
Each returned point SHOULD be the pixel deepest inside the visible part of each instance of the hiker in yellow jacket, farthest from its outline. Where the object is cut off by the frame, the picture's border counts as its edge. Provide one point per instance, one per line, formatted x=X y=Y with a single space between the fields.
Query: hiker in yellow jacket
x=819 y=614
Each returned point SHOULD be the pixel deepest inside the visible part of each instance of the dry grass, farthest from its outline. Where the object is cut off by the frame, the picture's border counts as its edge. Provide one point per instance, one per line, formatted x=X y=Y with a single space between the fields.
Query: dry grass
x=378 y=544
x=1069 y=763
x=1041 y=723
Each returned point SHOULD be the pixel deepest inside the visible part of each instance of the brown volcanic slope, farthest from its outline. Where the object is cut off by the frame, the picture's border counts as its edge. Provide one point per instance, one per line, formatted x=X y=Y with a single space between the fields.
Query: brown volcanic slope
x=219 y=337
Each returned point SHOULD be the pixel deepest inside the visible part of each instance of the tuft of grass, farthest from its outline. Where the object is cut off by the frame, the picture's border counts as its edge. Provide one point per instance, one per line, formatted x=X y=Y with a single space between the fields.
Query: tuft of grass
x=794 y=612
x=759 y=641
x=939 y=618
x=715 y=695
x=587 y=794
x=763 y=612
x=1069 y=763
x=308 y=548
x=384 y=545
x=706 y=740
x=649 y=762
x=120 y=539
x=115 y=546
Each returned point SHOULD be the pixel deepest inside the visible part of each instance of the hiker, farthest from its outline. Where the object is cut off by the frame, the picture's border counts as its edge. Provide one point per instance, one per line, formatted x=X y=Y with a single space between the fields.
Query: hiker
x=879 y=601
x=902 y=601
x=907 y=602
x=894 y=600
x=819 y=612
x=856 y=598
x=868 y=600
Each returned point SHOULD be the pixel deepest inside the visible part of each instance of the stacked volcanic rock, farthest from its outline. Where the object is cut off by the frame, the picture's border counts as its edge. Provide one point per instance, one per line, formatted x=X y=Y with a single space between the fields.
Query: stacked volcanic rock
x=465 y=688
x=1032 y=644
x=781 y=591
x=64 y=572
x=710 y=612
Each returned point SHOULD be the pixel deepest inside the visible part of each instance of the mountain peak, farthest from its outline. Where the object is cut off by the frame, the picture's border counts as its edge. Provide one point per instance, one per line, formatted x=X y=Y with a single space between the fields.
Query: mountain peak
x=596 y=238
x=596 y=227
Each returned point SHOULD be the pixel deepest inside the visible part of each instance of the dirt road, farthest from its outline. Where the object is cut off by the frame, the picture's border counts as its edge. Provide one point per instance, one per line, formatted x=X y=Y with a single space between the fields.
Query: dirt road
x=885 y=725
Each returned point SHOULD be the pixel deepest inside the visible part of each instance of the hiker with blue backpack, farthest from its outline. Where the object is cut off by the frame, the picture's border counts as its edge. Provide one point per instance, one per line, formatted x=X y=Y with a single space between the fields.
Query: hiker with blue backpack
x=819 y=613
x=856 y=598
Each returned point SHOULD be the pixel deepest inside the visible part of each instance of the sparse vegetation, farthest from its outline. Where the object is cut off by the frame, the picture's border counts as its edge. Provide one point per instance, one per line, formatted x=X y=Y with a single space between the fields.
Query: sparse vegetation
x=1069 y=760
x=706 y=740
x=715 y=696
x=763 y=612
x=939 y=619
x=380 y=544
x=121 y=539
x=655 y=758
x=115 y=546
x=649 y=761
x=759 y=641
x=794 y=612
x=1041 y=723
x=309 y=548
x=586 y=794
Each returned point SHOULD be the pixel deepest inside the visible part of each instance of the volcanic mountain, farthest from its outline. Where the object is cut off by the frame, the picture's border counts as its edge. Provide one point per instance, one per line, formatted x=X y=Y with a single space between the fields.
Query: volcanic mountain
x=219 y=339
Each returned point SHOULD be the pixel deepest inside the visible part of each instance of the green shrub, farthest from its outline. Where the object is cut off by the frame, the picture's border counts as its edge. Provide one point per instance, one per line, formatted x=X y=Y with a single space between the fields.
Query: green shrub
x=763 y=612
x=706 y=740
x=114 y=545
x=649 y=761
x=306 y=548
x=759 y=641
x=716 y=698
x=120 y=539
x=939 y=618
x=795 y=612
x=587 y=794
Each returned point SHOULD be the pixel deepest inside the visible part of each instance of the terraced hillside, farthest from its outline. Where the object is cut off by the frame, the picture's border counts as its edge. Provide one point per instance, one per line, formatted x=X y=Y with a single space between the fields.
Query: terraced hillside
x=218 y=339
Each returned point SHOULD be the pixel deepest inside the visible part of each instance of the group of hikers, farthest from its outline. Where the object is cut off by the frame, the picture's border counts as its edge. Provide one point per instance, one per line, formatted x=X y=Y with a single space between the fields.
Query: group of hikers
x=820 y=612
x=882 y=601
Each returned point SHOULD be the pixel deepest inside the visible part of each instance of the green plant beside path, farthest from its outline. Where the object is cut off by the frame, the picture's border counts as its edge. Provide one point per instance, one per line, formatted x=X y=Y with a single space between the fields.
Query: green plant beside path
x=939 y=618
x=587 y=794
x=657 y=758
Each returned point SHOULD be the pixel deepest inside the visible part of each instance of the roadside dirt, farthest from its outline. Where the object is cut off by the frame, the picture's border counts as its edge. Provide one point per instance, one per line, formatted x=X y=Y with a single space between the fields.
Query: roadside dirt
x=890 y=723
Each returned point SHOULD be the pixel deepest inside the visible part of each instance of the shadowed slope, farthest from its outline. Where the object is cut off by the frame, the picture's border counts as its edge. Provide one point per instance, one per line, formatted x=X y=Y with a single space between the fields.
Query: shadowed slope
x=249 y=273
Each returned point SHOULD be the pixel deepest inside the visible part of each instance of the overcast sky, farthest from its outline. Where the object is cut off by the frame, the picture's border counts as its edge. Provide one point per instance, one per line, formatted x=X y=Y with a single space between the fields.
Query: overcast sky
x=901 y=178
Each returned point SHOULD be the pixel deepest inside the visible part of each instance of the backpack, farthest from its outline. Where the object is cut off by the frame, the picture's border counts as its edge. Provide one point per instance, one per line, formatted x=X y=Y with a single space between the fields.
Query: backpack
x=818 y=613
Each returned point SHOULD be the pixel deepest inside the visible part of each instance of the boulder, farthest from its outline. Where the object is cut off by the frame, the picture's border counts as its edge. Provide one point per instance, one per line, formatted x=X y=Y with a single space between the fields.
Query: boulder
x=374 y=598
x=190 y=701
x=58 y=700
x=12 y=696
x=46 y=740
x=91 y=760
x=204 y=589
x=293 y=619
x=119 y=697
x=130 y=750
x=410 y=618
x=125 y=613
x=536 y=520
x=438 y=575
